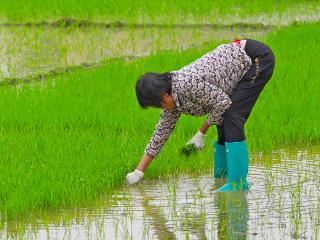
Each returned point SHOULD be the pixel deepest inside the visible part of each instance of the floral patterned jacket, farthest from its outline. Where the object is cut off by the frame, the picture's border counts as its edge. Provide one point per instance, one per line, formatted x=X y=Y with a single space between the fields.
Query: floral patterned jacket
x=202 y=87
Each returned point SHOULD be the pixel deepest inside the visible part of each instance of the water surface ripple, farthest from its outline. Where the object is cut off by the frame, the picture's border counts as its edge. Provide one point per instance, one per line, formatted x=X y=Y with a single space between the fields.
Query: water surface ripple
x=282 y=203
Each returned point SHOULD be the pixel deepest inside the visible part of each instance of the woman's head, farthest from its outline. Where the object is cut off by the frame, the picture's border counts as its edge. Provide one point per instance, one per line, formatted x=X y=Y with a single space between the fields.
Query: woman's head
x=154 y=89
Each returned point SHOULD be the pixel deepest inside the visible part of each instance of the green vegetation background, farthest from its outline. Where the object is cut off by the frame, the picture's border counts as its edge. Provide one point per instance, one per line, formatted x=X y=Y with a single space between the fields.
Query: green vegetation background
x=142 y=11
x=76 y=136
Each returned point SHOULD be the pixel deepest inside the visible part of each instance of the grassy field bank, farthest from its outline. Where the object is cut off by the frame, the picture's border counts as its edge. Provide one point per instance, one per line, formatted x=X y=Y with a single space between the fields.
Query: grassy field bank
x=158 y=12
x=74 y=137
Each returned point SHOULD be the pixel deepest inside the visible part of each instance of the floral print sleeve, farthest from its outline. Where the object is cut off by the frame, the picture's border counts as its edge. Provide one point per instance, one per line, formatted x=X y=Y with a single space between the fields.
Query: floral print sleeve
x=217 y=105
x=213 y=99
x=163 y=130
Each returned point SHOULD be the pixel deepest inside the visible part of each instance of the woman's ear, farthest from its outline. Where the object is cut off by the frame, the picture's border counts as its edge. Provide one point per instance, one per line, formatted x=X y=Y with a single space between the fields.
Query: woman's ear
x=164 y=97
x=164 y=100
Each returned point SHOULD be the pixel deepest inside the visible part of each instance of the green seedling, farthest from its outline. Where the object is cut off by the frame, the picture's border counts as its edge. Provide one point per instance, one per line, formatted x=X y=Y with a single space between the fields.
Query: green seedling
x=188 y=150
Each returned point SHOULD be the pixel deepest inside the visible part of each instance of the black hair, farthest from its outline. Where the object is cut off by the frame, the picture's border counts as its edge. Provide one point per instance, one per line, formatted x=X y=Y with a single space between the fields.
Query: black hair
x=150 y=86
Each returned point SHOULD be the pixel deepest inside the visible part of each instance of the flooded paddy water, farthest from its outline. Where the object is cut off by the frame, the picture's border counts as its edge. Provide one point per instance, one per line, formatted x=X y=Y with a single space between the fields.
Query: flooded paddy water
x=28 y=51
x=283 y=203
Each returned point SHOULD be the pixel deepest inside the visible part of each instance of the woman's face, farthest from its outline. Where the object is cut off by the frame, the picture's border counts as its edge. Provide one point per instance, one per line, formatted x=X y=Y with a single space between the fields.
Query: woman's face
x=167 y=102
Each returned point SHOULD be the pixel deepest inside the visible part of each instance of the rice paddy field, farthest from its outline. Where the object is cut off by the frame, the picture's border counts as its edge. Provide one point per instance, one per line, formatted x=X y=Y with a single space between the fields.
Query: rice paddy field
x=71 y=127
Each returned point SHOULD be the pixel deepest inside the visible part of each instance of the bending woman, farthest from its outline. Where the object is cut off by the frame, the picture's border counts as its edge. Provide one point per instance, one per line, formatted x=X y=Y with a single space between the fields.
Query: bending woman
x=225 y=84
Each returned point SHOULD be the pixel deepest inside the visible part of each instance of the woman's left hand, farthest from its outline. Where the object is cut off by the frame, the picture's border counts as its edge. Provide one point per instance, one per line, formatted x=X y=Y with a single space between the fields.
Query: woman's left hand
x=197 y=140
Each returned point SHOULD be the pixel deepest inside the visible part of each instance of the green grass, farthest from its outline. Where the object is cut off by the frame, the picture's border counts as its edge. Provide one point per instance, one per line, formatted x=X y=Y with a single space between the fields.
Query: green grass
x=74 y=137
x=141 y=11
x=288 y=109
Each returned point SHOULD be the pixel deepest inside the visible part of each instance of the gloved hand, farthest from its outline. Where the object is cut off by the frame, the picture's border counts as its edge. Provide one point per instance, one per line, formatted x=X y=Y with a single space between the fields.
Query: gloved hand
x=134 y=177
x=198 y=140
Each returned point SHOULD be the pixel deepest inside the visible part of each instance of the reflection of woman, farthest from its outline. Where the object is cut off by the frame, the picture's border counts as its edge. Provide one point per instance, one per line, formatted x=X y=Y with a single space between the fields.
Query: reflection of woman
x=158 y=220
x=224 y=84
x=232 y=210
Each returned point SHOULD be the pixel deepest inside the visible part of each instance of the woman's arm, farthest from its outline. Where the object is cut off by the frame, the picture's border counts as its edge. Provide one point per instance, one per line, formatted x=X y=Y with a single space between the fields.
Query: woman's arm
x=144 y=162
x=163 y=130
x=204 y=128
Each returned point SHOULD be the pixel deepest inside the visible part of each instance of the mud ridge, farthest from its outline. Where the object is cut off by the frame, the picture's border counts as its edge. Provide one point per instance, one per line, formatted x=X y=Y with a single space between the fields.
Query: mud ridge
x=60 y=70
x=73 y=22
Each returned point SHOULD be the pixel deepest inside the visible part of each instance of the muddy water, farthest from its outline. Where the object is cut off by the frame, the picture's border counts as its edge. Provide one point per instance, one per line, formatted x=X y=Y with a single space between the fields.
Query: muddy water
x=282 y=203
x=26 y=51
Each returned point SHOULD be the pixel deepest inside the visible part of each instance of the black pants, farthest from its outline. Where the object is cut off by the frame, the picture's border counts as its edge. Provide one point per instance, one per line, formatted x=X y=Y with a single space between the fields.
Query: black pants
x=247 y=92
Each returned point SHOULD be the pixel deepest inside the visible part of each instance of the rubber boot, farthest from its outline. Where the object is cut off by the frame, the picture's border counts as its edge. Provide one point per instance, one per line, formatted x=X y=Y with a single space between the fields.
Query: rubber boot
x=238 y=163
x=219 y=160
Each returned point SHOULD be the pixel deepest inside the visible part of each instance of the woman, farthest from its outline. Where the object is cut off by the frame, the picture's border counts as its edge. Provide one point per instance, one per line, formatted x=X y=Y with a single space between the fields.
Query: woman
x=224 y=84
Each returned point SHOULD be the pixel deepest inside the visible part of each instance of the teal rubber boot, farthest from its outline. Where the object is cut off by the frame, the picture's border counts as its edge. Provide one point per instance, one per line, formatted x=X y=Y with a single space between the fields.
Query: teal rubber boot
x=219 y=160
x=238 y=164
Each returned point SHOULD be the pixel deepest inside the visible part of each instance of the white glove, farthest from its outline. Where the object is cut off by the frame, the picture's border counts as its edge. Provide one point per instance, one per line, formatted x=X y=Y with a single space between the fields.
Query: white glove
x=134 y=177
x=198 y=140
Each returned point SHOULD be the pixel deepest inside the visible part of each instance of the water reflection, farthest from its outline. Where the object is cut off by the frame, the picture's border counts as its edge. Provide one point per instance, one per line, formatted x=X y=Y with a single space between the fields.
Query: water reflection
x=157 y=219
x=282 y=203
x=232 y=211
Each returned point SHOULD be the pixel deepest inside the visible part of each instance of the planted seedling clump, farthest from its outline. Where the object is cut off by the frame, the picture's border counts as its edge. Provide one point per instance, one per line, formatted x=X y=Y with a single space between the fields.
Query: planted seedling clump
x=188 y=150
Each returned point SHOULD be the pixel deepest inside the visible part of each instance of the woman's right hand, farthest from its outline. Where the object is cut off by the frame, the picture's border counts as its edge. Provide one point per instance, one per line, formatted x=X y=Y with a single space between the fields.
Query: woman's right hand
x=134 y=177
